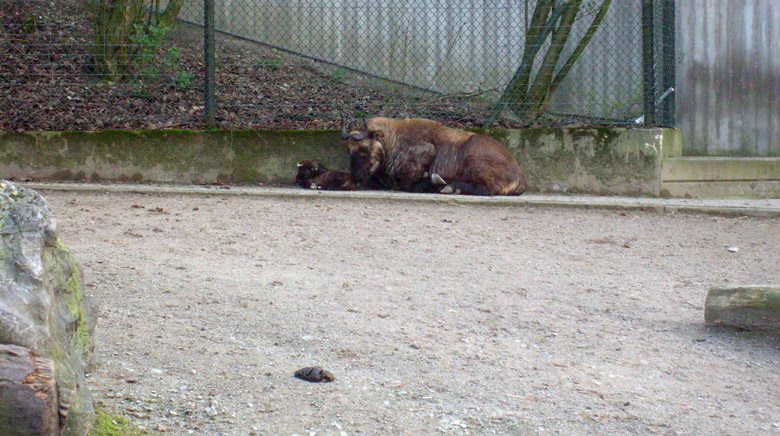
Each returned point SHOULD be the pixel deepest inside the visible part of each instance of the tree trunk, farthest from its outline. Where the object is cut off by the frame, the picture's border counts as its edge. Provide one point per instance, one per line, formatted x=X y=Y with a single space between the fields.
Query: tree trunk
x=167 y=18
x=542 y=21
x=747 y=307
x=113 y=24
x=28 y=394
x=539 y=93
x=528 y=98
x=115 y=21
x=594 y=26
x=535 y=35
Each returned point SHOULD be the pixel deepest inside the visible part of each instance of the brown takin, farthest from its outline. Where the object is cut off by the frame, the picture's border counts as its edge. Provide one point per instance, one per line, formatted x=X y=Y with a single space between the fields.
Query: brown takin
x=313 y=175
x=420 y=155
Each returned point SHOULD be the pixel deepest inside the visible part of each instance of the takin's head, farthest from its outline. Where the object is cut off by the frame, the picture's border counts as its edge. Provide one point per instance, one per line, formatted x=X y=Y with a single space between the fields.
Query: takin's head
x=366 y=152
x=308 y=169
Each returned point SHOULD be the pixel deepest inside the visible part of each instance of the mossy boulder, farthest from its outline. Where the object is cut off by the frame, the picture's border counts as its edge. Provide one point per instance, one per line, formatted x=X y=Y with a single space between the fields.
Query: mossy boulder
x=42 y=303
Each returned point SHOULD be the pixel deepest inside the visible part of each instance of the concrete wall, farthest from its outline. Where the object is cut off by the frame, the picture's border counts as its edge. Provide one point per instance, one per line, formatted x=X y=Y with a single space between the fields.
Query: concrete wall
x=599 y=161
x=165 y=156
x=596 y=160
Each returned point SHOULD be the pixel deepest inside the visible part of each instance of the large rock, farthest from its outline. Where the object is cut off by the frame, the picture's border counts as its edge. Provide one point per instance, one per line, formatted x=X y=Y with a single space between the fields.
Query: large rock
x=42 y=304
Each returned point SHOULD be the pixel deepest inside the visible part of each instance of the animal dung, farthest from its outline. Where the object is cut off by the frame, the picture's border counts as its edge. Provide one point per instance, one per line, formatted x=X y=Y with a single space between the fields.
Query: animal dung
x=315 y=374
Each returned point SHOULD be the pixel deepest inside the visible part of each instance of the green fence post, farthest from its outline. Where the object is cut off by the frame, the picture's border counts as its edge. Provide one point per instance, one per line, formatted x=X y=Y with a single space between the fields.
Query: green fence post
x=208 y=48
x=648 y=61
x=669 y=30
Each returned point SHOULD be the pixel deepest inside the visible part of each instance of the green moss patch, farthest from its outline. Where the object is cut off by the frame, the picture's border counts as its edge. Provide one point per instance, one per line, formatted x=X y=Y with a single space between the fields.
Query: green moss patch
x=107 y=424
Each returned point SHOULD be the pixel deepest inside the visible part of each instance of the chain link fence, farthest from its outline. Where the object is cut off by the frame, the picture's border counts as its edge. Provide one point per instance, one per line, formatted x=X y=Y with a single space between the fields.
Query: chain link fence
x=305 y=63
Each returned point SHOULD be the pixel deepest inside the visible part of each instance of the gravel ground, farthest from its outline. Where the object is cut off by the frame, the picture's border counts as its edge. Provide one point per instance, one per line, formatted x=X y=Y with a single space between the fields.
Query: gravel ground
x=434 y=318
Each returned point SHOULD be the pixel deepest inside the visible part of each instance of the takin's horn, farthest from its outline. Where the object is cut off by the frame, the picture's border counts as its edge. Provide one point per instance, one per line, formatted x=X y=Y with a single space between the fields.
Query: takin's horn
x=344 y=134
x=363 y=135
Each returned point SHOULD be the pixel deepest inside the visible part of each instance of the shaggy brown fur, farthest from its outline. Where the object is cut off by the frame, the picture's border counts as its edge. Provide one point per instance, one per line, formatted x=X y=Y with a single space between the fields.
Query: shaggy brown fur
x=421 y=155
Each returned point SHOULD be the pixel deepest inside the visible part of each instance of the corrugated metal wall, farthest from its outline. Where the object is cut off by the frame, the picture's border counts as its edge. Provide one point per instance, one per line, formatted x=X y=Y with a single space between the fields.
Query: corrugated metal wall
x=728 y=77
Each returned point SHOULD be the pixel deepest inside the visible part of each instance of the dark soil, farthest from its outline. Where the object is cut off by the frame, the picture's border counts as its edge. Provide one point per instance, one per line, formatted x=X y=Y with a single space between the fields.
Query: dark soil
x=48 y=81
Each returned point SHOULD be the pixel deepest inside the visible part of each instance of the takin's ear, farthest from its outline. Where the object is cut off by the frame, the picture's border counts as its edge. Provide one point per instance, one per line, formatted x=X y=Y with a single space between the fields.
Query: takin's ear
x=377 y=134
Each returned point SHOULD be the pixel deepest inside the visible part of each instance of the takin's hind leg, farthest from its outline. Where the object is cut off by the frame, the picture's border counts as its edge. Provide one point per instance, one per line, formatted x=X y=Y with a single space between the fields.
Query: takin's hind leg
x=456 y=188
x=464 y=188
x=437 y=180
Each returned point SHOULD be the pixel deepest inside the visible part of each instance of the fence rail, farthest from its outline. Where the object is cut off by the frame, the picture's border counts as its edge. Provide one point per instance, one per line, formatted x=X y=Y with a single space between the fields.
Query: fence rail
x=304 y=63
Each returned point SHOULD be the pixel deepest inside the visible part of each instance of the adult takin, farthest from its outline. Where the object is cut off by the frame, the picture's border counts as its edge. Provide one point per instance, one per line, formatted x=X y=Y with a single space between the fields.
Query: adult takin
x=314 y=175
x=420 y=155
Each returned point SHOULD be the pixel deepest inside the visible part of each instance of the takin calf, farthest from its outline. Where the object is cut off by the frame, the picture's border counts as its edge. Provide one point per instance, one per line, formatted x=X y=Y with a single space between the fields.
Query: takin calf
x=313 y=175
x=420 y=155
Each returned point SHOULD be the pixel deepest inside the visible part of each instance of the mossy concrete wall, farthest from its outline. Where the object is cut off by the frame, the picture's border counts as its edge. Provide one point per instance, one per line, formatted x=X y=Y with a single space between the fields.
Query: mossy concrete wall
x=592 y=160
x=166 y=156
x=599 y=161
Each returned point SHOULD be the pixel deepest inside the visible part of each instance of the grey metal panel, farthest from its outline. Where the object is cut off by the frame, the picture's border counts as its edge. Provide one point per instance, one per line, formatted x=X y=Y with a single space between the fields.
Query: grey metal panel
x=728 y=78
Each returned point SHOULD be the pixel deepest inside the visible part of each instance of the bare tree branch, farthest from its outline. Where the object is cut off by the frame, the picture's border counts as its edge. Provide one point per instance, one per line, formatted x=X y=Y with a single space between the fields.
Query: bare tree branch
x=526 y=96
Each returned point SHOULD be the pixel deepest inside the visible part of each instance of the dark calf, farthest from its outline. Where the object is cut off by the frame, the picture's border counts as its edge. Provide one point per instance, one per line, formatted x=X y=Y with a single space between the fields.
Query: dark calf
x=313 y=175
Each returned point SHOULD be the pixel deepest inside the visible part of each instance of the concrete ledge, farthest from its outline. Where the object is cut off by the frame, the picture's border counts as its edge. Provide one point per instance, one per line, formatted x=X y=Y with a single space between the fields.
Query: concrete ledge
x=721 y=207
x=737 y=189
x=615 y=161
x=721 y=177
x=720 y=169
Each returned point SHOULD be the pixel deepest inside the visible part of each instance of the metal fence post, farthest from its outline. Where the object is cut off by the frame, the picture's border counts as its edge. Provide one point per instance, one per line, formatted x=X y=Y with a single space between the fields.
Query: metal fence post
x=208 y=48
x=668 y=106
x=648 y=61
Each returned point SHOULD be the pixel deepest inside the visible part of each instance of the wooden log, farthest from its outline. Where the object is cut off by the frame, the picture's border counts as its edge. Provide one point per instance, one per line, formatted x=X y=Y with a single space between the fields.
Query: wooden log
x=747 y=307
x=28 y=393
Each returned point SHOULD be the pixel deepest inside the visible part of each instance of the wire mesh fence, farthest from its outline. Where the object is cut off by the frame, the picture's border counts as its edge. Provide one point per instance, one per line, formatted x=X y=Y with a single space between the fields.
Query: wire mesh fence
x=69 y=64
x=51 y=79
